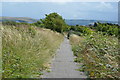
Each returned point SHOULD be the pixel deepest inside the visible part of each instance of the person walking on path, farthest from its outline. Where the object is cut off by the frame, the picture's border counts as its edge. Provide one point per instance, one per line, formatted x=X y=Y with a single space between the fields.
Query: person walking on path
x=69 y=33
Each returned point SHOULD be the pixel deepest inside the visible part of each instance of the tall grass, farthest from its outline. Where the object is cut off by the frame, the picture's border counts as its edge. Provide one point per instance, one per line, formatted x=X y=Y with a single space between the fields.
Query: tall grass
x=98 y=53
x=27 y=50
x=0 y=54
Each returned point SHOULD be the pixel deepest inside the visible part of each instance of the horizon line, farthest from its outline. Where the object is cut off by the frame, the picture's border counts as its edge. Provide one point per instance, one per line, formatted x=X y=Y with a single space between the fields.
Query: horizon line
x=63 y=18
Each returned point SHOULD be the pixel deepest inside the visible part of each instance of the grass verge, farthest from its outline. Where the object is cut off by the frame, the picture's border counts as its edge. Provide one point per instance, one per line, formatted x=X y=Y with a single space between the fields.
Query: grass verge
x=26 y=50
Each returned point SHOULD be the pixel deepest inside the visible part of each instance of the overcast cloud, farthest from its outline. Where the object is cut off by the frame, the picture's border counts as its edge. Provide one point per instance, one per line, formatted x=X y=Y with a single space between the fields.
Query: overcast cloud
x=69 y=10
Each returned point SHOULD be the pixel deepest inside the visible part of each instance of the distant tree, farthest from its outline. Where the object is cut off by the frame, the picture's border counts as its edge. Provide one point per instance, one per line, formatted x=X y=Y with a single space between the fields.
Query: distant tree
x=77 y=25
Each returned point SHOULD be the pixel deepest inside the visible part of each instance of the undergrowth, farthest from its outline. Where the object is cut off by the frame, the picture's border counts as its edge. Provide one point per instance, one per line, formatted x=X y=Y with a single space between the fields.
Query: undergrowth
x=99 y=55
x=26 y=50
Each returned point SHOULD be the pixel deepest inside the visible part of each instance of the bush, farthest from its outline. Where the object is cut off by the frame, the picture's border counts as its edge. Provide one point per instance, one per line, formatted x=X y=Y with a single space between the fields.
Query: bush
x=32 y=31
x=107 y=28
x=54 y=22
x=99 y=55
x=81 y=30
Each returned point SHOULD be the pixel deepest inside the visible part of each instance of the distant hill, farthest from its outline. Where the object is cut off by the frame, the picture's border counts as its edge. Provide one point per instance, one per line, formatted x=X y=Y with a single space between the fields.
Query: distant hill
x=68 y=21
x=18 y=19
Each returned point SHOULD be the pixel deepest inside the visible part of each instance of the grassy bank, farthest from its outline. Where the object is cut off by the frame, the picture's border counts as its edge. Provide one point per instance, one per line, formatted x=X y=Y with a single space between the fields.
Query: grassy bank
x=98 y=53
x=26 y=50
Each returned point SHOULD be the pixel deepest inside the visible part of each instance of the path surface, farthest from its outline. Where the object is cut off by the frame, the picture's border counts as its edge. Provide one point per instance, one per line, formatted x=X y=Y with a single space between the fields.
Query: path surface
x=63 y=66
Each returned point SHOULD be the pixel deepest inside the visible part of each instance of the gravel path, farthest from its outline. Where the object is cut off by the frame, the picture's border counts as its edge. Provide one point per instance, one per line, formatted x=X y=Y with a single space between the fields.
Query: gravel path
x=63 y=65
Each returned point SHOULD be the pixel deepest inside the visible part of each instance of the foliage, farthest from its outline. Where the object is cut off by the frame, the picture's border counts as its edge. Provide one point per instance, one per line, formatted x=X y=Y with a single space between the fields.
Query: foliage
x=39 y=24
x=26 y=51
x=54 y=22
x=13 y=23
x=9 y=23
x=81 y=30
x=107 y=28
x=99 y=55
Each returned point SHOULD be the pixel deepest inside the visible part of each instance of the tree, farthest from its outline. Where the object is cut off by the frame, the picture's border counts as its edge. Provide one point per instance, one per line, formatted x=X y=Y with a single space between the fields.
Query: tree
x=54 y=22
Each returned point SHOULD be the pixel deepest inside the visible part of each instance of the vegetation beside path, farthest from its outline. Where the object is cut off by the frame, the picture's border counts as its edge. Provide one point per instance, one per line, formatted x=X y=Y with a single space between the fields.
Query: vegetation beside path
x=26 y=50
x=98 y=52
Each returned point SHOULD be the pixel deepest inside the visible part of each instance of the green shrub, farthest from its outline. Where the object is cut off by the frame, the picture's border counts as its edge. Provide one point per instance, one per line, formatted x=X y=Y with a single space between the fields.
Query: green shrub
x=107 y=28
x=54 y=22
x=81 y=30
x=32 y=31
x=99 y=55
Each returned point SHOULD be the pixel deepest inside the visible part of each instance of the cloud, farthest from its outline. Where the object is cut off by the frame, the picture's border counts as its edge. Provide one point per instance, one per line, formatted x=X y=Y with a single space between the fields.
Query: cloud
x=99 y=6
x=76 y=10
x=37 y=0
x=103 y=6
x=63 y=1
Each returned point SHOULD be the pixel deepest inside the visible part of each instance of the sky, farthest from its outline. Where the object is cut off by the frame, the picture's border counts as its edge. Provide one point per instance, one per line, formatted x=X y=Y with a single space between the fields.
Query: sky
x=68 y=10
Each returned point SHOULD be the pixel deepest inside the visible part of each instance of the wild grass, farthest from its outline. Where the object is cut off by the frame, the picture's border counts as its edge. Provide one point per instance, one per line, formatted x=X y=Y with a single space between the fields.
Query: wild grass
x=98 y=53
x=27 y=50
x=75 y=39
x=0 y=54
